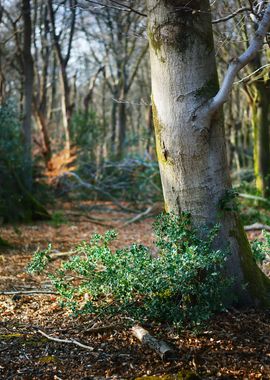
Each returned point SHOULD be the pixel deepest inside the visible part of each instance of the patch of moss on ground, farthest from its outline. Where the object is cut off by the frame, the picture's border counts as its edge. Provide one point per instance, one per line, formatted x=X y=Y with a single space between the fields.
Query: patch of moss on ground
x=11 y=336
x=49 y=359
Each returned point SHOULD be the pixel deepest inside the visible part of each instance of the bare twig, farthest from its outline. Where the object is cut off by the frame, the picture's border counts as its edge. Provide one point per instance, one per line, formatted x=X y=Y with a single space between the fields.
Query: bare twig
x=139 y=216
x=96 y=188
x=253 y=73
x=27 y=292
x=66 y=341
x=228 y=17
x=129 y=8
x=254 y=197
x=119 y=7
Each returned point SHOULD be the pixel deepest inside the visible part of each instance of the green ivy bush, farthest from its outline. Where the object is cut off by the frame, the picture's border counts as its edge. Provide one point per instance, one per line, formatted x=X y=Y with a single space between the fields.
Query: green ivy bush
x=182 y=283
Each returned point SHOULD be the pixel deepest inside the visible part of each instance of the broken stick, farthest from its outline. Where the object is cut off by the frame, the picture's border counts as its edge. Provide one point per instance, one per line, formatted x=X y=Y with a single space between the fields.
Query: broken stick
x=257 y=226
x=67 y=341
x=27 y=292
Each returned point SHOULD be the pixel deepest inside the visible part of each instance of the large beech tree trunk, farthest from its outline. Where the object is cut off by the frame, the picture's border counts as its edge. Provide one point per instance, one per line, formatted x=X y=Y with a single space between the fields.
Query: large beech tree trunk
x=190 y=143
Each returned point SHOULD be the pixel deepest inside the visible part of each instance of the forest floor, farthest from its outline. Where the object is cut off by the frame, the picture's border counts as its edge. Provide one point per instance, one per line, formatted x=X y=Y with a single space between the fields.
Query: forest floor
x=233 y=345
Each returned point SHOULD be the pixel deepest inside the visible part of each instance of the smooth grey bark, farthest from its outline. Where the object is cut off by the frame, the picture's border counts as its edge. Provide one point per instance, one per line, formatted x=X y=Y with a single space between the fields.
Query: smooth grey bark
x=189 y=131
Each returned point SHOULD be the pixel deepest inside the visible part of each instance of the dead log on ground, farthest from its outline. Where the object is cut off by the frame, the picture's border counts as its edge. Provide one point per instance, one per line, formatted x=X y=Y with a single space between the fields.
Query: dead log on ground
x=166 y=352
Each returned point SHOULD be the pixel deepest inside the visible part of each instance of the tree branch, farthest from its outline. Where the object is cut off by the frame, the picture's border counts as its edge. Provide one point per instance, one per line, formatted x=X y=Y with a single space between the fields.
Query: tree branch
x=137 y=65
x=238 y=63
x=27 y=292
x=66 y=341
x=73 y=5
x=228 y=17
x=128 y=8
x=245 y=79
x=119 y=7
x=96 y=188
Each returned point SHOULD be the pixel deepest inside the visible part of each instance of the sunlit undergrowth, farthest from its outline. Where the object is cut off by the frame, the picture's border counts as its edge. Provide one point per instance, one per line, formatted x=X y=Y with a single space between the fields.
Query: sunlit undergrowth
x=253 y=210
x=261 y=248
x=182 y=282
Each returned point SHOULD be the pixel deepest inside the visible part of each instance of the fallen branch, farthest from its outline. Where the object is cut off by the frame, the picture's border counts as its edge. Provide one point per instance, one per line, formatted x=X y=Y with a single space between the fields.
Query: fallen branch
x=89 y=186
x=257 y=226
x=254 y=197
x=67 y=341
x=27 y=292
x=58 y=255
x=139 y=216
x=162 y=348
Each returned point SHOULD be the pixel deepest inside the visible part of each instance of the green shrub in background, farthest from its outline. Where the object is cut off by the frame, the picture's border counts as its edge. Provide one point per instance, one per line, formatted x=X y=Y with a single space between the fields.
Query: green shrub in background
x=252 y=210
x=261 y=248
x=133 y=180
x=11 y=158
x=86 y=133
x=16 y=203
x=182 y=283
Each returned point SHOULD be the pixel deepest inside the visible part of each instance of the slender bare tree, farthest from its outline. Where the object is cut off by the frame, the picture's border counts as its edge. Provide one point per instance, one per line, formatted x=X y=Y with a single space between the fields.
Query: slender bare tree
x=28 y=73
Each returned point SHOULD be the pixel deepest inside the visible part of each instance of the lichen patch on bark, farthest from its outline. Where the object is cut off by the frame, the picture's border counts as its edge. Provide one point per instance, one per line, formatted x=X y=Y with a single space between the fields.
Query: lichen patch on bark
x=162 y=152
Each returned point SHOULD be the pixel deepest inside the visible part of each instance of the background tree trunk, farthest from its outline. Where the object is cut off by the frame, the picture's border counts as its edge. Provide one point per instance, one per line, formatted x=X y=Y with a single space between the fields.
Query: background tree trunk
x=260 y=121
x=191 y=145
x=28 y=73
x=121 y=125
x=66 y=105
